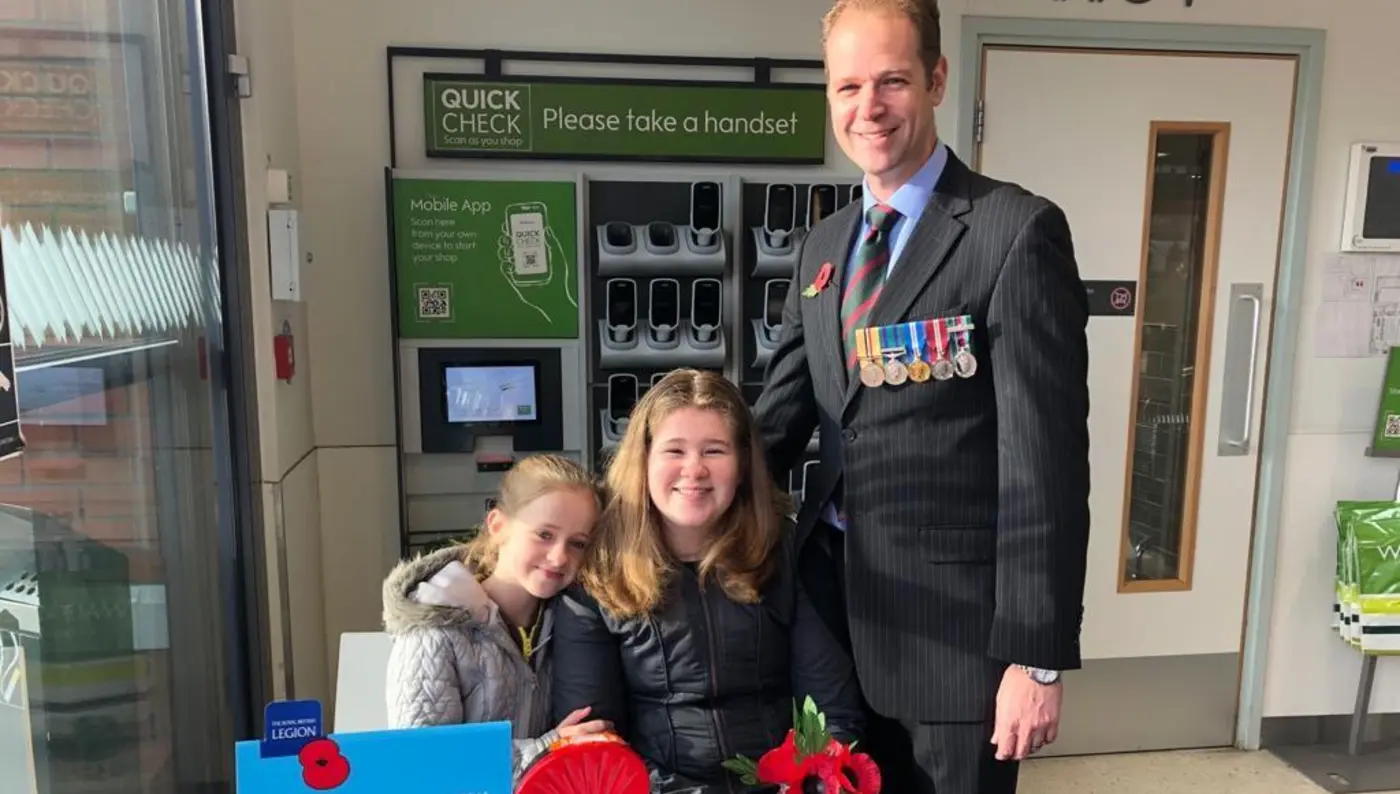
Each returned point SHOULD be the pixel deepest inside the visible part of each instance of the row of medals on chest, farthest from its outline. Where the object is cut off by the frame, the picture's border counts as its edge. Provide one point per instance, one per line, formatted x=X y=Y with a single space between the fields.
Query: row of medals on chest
x=871 y=347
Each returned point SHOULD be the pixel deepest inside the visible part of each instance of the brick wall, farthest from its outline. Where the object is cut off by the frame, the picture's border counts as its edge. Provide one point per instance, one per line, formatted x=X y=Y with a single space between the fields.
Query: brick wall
x=98 y=478
x=65 y=117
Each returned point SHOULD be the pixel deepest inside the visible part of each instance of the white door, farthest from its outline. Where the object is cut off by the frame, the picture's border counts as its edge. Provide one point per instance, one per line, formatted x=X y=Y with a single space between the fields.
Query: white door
x=1172 y=170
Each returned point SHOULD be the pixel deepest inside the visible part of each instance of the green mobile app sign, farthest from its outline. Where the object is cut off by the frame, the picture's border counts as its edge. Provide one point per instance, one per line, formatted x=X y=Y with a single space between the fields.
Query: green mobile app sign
x=1385 y=439
x=468 y=116
x=486 y=259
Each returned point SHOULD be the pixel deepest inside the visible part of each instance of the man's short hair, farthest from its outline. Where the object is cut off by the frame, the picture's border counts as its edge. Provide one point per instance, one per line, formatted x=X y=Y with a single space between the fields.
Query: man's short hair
x=922 y=13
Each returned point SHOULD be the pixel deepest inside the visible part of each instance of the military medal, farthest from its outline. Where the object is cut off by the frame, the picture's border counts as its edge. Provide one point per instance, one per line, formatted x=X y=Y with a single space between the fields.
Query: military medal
x=942 y=367
x=895 y=371
x=871 y=373
x=918 y=368
x=963 y=361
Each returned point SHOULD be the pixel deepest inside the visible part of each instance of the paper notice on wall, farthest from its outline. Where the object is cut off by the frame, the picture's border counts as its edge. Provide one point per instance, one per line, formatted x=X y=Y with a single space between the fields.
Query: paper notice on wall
x=1360 y=311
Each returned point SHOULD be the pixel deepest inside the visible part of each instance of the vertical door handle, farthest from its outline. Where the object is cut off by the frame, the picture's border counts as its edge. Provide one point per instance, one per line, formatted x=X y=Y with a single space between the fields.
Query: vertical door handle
x=1241 y=359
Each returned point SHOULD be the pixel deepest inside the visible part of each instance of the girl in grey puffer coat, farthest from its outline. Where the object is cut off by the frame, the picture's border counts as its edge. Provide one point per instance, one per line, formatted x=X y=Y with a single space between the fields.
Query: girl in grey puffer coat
x=454 y=657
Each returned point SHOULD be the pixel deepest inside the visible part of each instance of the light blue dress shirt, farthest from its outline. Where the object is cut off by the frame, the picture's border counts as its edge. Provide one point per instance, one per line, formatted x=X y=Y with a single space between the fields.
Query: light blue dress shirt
x=909 y=201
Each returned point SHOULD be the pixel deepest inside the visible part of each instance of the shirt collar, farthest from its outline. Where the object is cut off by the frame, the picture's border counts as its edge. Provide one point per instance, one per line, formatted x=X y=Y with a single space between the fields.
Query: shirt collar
x=913 y=196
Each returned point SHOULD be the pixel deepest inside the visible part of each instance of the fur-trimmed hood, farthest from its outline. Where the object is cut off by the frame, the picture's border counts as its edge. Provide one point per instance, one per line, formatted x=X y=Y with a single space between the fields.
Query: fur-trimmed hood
x=436 y=591
x=453 y=659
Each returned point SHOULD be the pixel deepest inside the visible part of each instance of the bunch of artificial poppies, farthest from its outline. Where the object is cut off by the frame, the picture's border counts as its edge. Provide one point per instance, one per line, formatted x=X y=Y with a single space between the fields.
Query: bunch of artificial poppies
x=810 y=760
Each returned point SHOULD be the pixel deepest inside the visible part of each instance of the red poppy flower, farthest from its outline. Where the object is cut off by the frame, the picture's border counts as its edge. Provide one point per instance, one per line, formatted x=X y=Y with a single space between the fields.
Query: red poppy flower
x=841 y=770
x=823 y=276
x=810 y=754
x=322 y=766
x=780 y=765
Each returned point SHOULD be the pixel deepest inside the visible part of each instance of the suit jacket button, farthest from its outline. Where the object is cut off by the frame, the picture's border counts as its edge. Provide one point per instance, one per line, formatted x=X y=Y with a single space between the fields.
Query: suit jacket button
x=849 y=434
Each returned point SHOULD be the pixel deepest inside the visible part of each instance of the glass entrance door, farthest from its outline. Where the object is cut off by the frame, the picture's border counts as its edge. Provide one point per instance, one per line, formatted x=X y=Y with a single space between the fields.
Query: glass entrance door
x=121 y=666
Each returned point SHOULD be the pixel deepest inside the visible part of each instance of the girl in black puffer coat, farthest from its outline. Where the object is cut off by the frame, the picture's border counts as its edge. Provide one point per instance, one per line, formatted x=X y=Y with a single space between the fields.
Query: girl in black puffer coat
x=689 y=630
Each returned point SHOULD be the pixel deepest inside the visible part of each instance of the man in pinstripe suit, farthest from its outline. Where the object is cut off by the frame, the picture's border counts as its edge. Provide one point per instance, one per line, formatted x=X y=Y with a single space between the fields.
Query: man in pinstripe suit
x=951 y=511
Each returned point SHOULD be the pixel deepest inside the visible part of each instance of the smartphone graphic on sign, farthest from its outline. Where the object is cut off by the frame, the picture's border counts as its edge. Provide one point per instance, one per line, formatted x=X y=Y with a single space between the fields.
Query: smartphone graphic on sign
x=529 y=245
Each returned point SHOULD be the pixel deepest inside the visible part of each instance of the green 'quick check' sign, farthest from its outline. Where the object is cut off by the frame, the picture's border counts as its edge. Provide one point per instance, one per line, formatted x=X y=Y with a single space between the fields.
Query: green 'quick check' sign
x=474 y=116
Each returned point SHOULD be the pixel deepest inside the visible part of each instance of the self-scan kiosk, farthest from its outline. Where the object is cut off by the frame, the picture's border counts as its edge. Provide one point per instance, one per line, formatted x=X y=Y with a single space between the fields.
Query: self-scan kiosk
x=469 y=413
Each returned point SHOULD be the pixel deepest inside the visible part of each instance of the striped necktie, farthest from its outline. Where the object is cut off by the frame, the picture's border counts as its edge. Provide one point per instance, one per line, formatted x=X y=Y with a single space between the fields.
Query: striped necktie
x=867 y=276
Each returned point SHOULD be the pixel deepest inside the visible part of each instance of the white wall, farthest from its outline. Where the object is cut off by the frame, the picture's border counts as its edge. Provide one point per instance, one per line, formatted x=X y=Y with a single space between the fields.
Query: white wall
x=288 y=477
x=340 y=109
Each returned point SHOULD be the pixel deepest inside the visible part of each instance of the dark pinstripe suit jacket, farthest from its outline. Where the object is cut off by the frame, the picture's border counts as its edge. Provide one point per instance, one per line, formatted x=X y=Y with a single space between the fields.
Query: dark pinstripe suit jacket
x=967 y=499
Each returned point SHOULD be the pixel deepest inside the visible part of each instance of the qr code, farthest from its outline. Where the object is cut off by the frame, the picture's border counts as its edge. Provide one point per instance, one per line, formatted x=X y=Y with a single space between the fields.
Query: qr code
x=434 y=303
x=531 y=260
x=1392 y=425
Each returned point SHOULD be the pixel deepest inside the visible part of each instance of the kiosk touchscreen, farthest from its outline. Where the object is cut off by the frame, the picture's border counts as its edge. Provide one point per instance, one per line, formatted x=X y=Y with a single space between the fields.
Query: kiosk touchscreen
x=466 y=394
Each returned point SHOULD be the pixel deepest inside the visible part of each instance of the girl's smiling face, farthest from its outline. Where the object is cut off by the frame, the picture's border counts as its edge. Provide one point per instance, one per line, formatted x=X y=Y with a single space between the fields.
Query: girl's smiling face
x=543 y=544
x=692 y=469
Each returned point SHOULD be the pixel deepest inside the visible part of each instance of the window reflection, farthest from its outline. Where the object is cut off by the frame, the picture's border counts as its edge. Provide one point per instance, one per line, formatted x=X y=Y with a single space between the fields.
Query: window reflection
x=113 y=671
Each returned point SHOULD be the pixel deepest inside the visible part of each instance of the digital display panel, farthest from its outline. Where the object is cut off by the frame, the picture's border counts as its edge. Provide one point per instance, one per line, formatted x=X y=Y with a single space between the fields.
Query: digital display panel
x=490 y=394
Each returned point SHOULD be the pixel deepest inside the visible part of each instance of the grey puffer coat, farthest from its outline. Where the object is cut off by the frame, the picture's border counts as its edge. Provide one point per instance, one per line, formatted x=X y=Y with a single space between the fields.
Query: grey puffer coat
x=453 y=659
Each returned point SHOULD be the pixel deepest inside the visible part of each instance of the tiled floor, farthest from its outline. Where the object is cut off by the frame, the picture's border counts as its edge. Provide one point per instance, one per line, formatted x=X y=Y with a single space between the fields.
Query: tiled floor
x=1189 y=772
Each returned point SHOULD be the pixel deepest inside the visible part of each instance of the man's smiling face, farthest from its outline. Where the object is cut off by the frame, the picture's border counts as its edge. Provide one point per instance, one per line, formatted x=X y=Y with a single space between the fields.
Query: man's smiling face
x=882 y=96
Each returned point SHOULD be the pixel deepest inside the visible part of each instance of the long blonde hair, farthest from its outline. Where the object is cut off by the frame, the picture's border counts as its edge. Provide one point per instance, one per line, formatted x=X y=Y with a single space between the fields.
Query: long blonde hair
x=629 y=564
x=529 y=479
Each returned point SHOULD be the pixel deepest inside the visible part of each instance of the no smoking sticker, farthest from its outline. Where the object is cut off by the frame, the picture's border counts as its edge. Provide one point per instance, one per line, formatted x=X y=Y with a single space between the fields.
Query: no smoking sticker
x=1120 y=298
x=1112 y=298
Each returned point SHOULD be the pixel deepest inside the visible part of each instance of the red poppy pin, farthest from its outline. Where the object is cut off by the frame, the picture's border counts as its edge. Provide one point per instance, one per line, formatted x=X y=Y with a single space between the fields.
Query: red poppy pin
x=819 y=283
x=322 y=766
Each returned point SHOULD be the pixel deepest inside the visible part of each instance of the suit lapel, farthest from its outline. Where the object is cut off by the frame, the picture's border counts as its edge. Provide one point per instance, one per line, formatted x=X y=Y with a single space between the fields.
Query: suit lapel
x=827 y=331
x=924 y=254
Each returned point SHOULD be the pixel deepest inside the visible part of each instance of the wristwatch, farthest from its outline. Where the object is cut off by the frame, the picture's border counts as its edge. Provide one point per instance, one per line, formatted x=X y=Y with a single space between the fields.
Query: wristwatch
x=1045 y=677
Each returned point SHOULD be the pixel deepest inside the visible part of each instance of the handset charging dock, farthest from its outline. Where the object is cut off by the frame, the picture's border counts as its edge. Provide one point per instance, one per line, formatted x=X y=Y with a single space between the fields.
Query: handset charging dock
x=623 y=393
x=769 y=328
x=661 y=238
x=618 y=238
x=706 y=312
x=694 y=247
x=821 y=204
x=775 y=245
x=706 y=217
x=620 y=322
x=664 y=313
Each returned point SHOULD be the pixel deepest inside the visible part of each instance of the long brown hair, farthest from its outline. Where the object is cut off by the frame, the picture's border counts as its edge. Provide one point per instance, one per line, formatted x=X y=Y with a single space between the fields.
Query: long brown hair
x=629 y=564
x=529 y=479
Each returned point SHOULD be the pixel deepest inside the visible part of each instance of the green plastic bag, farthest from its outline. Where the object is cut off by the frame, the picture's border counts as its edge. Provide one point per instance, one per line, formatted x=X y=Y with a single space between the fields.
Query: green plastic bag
x=1346 y=609
x=1375 y=552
